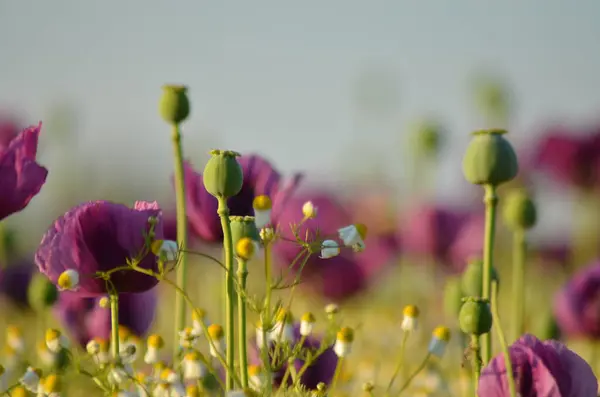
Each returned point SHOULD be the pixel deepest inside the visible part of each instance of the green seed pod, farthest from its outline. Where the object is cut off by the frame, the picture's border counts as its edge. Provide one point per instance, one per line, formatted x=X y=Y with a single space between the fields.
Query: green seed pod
x=490 y=159
x=452 y=297
x=472 y=278
x=223 y=175
x=41 y=293
x=243 y=226
x=427 y=139
x=174 y=105
x=475 y=317
x=519 y=210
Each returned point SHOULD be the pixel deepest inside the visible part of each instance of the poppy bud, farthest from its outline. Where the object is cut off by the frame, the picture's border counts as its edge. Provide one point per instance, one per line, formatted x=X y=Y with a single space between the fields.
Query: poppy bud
x=472 y=278
x=243 y=226
x=223 y=175
x=519 y=210
x=427 y=139
x=41 y=293
x=490 y=159
x=174 y=104
x=452 y=297
x=475 y=317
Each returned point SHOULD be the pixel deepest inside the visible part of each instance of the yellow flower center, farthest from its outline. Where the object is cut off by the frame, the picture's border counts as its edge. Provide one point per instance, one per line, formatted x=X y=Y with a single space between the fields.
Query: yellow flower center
x=192 y=391
x=345 y=334
x=262 y=203
x=442 y=333
x=18 y=391
x=411 y=311
x=198 y=315
x=254 y=370
x=13 y=331
x=215 y=331
x=156 y=341
x=124 y=333
x=192 y=356
x=65 y=281
x=52 y=383
x=284 y=316
x=361 y=228
x=308 y=318
x=245 y=248
x=52 y=334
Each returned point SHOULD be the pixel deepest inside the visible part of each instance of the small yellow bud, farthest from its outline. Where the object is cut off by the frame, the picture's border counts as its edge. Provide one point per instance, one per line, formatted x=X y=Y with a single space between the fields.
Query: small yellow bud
x=262 y=203
x=68 y=280
x=346 y=334
x=52 y=384
x=12 y=331
x=254 y=370
x=18 y=391
x=411 y=311
x=141 y=377
x=368 y=387
x=308 y=317
x=52 y=334
x=442 y=333
x=284 y=316
x=215 y=331
x=192 y=356
x=104 y=302
x=156 y=341
x=309 y=210
x=245 y=248
x=198 y=315
x=124 y=333
x=192 y=391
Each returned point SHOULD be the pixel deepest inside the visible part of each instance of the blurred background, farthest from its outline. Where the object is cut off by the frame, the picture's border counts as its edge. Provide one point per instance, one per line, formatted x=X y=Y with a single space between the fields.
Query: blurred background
x=342 y=91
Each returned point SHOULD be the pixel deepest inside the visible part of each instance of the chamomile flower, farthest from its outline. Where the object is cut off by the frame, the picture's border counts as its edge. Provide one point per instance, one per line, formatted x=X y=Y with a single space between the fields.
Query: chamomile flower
x=128 y=350
x=262 y=210
x=331 y=310
x=68 y=280
x=329 y=249
x=46 y=356
x=142 y=383
x=188 y=338
x=410 y=319
x=439 y=340
x=153 y=345
x=217 y=337
x=31 y=379
x=283 y=330
x=256 y=376
x=267 y=235
x=51 y=385
x=354 y=236
x=55 y=340
x=14 y=338
x=124 y=334
x=98 y=348
x=104 y=302
x=157 y=370
x=261 y=335
x=246 y=248
x=343 y=342
x=173 y=381
x=199 y=319
x=309 y=210
x=166 y=250
x=307 y=323
x=118 y=374
x=193 y=368
x=192 y=391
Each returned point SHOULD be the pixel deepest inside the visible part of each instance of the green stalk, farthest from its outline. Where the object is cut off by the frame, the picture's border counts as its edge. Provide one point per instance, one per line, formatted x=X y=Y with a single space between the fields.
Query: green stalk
x=400 y=361
x=336 y=375
x=420 y=368
x=180 y=309
x=223 y=212
x=267 y=318
x=3 y=250
x=491 y=202
x=476 y=350
x=114 y=324
x=242 y=274
x=518 y=282
x=498 y=327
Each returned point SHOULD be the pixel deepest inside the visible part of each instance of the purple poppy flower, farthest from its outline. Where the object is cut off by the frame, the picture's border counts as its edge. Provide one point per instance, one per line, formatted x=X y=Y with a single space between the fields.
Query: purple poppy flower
x=374 y=209
x=8 y=131
x=85 y=319
x=336 y=278
x=21 y=177
x=571 y=159
x=431 y=231
x=260 y=178
x=170 y=226
x=98 y=236
x=321 y=370
x=577 y=304
x=468 y=242
x=546 y=369
x=14 y=281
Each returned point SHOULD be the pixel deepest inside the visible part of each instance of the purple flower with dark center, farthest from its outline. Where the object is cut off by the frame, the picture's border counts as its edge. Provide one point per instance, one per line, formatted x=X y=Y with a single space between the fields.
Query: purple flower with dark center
x=577 y=304
x=260 y=178
x=14 y=281
x=546 y=369
x=322 y=368
x=431 y=231
x=571 y=159
x=21 y=177
x=336 y=278
x=99 y=236
x=85 y=319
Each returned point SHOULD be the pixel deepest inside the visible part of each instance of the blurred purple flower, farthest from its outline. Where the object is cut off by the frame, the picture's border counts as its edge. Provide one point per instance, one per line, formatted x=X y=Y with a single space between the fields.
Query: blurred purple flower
x=374 y=209
x=573 y=160
x=260 y=178
x=556 y=253
x=335 y=278
x=431 y=231
x=85 y=319
x=8 y=131
x=546 y=369
x=170 y=226
x=21 y=177
x=468 y=242
x=99 y=236
x=321 y=370
x=14 y=281
x=577 y=304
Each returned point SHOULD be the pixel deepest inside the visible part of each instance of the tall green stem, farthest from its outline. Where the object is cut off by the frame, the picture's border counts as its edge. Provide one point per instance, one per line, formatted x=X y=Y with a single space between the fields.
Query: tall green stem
x=223 y=212
x=518 y=282
x=180 y=310
x=3 y=249
x=242 y=274
x=420 y=368
x=336 y=375
x=400 y=361
x=498 y=327
x=491 y=202
x=476 y=351
x=114 y=324
x=267 y=318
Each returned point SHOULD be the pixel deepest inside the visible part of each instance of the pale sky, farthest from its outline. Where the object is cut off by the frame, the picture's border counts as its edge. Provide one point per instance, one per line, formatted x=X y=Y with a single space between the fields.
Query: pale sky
x=277 y=77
